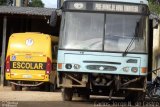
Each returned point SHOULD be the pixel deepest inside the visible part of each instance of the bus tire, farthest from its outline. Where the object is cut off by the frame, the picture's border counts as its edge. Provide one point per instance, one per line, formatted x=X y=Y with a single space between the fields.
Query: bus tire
x=67 y=94
x=84 y=93
x=85 y=97
x=135 y=97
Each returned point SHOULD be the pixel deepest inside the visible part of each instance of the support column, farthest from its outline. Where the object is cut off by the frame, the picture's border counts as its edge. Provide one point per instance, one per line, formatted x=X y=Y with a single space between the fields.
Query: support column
x=3 y=50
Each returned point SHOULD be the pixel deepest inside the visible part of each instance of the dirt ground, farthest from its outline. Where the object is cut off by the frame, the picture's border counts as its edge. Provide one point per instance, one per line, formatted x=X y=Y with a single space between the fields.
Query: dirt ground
x=36 y=98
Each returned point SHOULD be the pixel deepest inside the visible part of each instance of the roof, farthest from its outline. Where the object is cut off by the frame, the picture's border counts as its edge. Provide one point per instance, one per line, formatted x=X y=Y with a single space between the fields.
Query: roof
x=37 y=11
x=154 y=16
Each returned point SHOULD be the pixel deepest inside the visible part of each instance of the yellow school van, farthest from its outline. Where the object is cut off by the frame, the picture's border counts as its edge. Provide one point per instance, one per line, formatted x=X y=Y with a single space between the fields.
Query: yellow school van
x=31 y=60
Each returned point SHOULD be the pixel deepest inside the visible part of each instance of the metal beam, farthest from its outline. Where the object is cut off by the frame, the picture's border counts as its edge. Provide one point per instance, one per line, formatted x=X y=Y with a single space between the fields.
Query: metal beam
x=3 y=50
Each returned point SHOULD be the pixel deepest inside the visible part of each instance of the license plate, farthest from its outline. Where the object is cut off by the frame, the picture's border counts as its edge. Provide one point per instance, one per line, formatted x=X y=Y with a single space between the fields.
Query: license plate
x=27 y=76
x=28 y=65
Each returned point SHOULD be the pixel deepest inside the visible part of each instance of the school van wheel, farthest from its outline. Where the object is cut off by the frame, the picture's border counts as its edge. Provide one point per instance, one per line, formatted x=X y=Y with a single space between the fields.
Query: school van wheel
x=16 y=88
x=67 y=94
x=44 y=87
x=53 y=87
x=47 y=87
x=13 y=87
x=19 y=88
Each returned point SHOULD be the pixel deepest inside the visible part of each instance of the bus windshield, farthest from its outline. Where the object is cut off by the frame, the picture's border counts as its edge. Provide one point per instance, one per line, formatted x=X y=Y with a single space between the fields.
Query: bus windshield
x=103 y=32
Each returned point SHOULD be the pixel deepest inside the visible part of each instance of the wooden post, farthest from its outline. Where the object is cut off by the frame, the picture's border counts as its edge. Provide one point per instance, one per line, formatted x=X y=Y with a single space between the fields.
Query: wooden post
x=26 y=3
x=59 y=3
x=3 y=50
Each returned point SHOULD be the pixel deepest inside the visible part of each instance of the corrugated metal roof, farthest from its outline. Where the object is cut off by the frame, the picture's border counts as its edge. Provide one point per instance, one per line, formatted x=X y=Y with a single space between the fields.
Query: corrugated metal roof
x=154 y=16
x=37 y=11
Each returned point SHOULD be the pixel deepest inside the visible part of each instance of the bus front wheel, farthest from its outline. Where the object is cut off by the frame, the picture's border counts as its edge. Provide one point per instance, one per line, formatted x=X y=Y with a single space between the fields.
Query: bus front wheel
x=67 y=94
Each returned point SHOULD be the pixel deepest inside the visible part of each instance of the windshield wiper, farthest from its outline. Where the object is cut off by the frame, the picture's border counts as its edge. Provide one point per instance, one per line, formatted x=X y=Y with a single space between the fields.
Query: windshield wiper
x=129 y=46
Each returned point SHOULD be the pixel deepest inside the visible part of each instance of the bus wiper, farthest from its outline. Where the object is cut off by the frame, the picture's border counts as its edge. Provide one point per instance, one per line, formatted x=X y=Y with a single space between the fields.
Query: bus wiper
x=129 y=46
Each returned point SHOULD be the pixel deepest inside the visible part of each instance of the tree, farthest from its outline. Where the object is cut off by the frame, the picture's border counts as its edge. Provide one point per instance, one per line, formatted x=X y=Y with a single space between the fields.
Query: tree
x=2 y=2
x=154 y=6
x=36 y=3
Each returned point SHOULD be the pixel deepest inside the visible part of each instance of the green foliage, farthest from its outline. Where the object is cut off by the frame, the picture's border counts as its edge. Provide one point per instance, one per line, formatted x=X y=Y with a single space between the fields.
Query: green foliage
x=3 y=2
x=36 y=3
x=154 y=6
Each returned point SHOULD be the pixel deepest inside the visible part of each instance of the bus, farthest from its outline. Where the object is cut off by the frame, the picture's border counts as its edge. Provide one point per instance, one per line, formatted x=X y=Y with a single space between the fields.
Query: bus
x=103 y=48
x=31 y=61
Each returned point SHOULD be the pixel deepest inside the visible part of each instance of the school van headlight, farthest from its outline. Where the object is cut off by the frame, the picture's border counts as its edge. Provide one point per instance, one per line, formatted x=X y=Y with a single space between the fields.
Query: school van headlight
x=76 y=66
x=134 y=69
x=126 y=69
x=68 y=66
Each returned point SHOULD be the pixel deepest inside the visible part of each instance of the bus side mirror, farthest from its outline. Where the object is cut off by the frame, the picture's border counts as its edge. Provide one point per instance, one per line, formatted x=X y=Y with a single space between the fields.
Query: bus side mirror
x=54 y=17
x=58 y=12
x=55 y=48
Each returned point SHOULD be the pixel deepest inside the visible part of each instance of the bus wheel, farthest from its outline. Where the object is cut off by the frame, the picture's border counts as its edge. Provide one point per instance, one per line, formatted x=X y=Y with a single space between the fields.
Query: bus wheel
x=84 y=93
x=136 y=97
x=67 y=94
x=85 y=97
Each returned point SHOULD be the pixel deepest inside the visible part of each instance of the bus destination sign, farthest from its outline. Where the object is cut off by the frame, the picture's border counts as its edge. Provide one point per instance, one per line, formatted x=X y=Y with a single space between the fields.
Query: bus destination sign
x=116 y=7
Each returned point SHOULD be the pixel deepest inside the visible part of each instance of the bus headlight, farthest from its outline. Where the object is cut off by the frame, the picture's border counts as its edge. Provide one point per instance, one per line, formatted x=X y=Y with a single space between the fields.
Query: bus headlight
x=126 y=69
x=68 y=66
x=134 y=69
x=76 y=66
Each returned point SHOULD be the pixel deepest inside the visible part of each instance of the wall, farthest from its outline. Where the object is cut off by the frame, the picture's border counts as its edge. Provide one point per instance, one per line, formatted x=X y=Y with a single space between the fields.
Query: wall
x=156 y=50
x=18 y=3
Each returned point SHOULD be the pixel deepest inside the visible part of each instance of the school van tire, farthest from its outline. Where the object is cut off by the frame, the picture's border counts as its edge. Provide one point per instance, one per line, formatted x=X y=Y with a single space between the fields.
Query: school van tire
x=13 y=87
x=19 y=88
x=16 y=88
x=53 y=87
x=47 y=87
x=67 y=94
